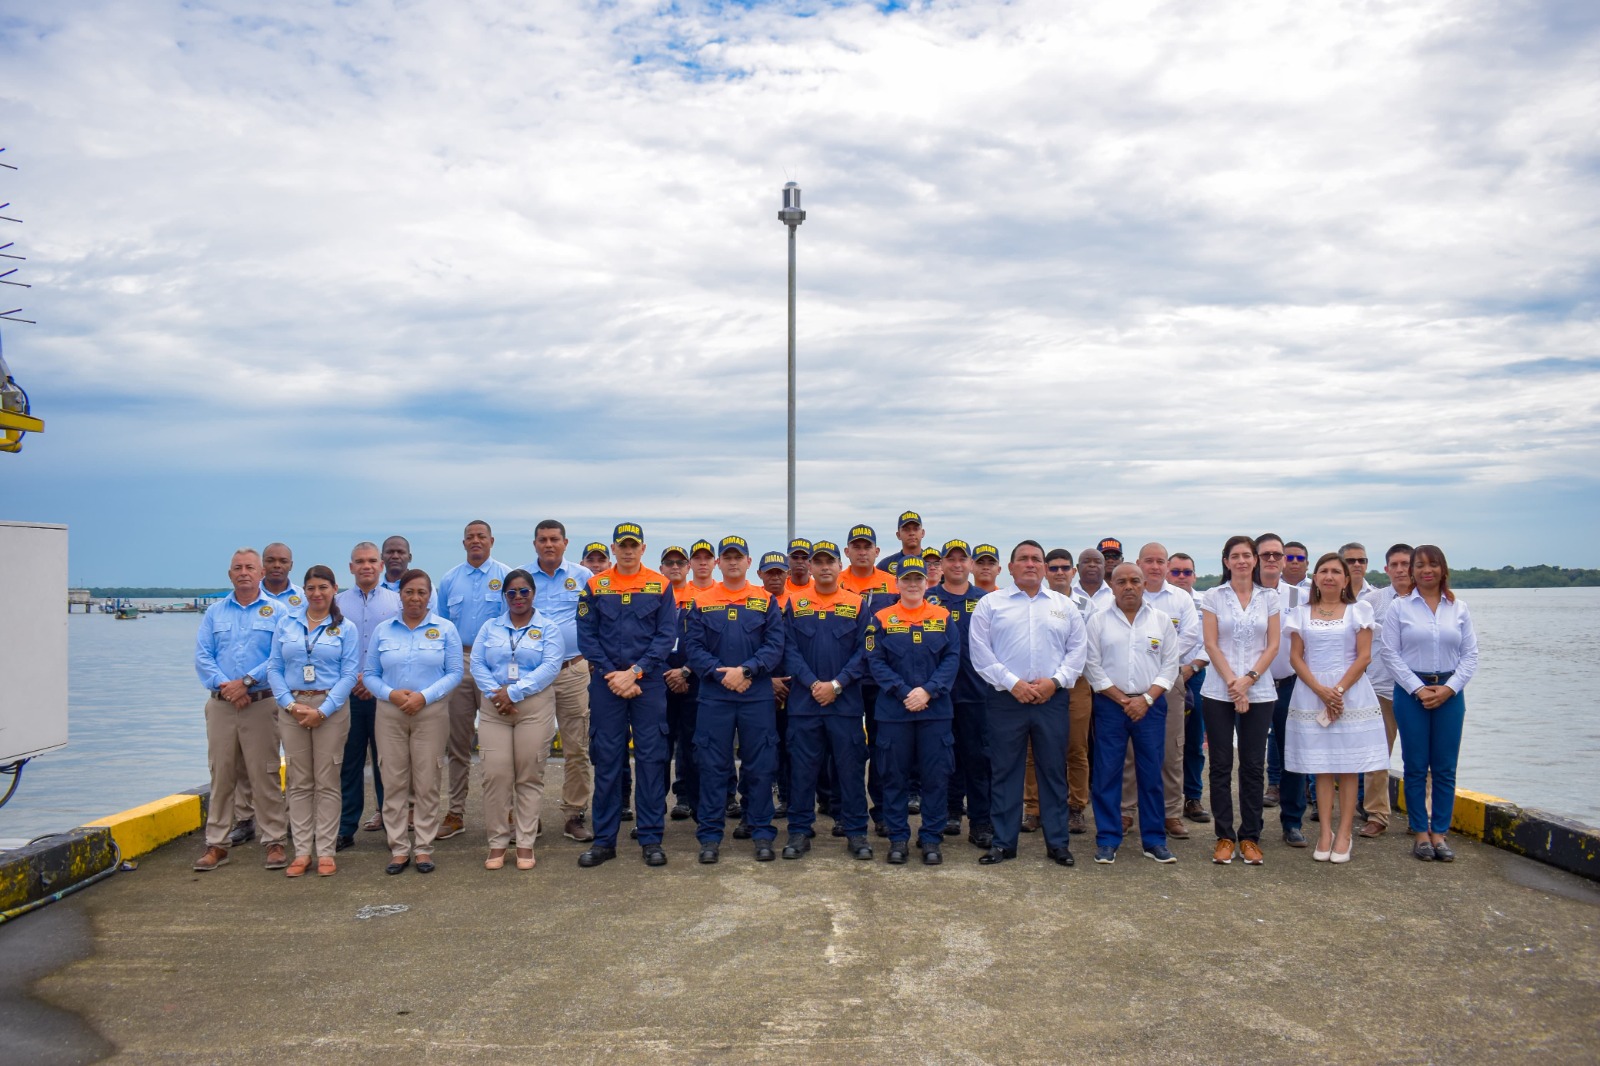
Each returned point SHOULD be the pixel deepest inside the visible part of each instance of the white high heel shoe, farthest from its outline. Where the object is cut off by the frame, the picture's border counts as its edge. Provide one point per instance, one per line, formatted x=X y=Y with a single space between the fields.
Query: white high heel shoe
x=1321 y=856
x=1344 y=856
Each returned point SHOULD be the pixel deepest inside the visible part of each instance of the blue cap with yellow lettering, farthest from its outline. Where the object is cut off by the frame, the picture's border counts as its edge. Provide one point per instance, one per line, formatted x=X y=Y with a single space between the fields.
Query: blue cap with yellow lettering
x=956 y=545
x=826 y=547
x=986 y=550
x=773 y=561
x=908 y=517
x=733 y=544
x=674 y=549
x=627 y=531
x=595 y=546
x=800 y=545
x=930 y=553
x=911 y=566
x=866 y=533
x=701 y=546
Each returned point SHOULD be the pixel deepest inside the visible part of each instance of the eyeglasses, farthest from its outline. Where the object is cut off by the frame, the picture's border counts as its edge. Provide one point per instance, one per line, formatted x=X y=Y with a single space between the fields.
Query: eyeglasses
x=1060 y=569
x=518 y=593
x=1297 y=559
x=1272 y=555
x=1180 y=573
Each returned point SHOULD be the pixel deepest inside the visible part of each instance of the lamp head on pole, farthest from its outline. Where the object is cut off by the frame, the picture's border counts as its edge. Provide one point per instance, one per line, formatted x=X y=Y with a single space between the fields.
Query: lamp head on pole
x=791 y=215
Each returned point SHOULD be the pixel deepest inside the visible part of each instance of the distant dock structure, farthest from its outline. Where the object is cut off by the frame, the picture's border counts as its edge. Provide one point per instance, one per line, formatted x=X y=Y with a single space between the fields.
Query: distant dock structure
x=80 y=598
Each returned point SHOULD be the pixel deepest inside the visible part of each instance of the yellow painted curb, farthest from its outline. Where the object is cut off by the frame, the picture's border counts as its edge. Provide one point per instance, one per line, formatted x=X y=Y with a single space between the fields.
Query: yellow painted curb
x=144 y=829
x=1469 y=814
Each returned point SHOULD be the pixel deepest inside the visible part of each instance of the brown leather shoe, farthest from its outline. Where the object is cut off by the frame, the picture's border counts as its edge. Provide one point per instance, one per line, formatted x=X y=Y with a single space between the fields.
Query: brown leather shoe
x=373 y=824
x=213 y=858
x=1075 y=820
x=1176 y=829
x=1222 y=854
x=1195 y=811
x=1127 y=823
x=452 y=826
x=298 y=868
x=1030 y=823
x=1250 y=852
x=277 y=858
x=326 y=867
x=576 y=830
x=1373 y=829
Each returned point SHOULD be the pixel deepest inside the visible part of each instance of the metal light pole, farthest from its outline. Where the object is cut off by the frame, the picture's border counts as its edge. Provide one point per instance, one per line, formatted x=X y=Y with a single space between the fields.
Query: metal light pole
x=791 y=216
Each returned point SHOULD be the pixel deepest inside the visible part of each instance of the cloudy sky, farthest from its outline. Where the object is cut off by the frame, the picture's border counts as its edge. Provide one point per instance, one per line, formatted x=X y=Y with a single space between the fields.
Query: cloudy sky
x=1152 y=270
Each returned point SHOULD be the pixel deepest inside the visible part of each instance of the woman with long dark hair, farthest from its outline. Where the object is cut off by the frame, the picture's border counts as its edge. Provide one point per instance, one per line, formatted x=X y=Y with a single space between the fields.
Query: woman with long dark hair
x=1432 y=652
x=515 y=659
x=1240 y=621
x=1335 y=727
x=314 y=664
x=413 y=664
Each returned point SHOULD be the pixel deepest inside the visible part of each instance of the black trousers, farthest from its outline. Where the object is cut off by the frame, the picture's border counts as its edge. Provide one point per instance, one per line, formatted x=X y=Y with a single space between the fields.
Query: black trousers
x=1223 y=723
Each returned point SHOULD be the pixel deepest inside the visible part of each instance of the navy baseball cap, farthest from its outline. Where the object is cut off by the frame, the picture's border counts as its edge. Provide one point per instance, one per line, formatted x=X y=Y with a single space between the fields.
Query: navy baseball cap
x=911 y=566
x=673 y=549
x=701 y=546
x=627 y=531
x=799 y=544
x=907 y=517
x=773 y=561
x=955 y=545
x=862 y=533
x=595 y=546
x=930 y=553
x=826 y=547
x=732 y=543
x=986 y=549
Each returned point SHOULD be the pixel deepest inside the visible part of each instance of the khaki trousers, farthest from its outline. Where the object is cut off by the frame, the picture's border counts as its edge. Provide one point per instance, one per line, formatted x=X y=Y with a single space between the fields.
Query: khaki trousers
x=515 y=748
x=314 y=758
x=463 y=704
x=1171 y=764
x=244 y=744
x=1080 y=712
x=411 y=758
x=572 y=719
x=1376 y=785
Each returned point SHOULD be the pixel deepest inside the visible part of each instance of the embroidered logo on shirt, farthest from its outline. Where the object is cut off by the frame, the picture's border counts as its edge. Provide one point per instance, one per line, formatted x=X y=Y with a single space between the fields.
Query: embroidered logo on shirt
x=333 y=632
x=583 y=608
x=916 y=636
x=1155 y=642
x=266 y=611
x=572 y=583
x=871 y=643
x=651 y=586
x=535 y=634
x=845 y=610
x=755 y=604
x=494 y=584
x=733 y=612
x=294 y=601
x=604 y=582
x=432 y=633
x=627 y=597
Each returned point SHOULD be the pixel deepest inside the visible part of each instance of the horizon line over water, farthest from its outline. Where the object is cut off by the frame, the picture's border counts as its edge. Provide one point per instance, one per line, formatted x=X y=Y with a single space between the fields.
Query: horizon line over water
x=137 y=731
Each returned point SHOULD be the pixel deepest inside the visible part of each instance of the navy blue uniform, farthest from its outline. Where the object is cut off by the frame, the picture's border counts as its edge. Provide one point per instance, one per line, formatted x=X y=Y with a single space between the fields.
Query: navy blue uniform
x=824 y=642
x=735 y=628
x=911 y=648
x=681 y=711
x=970 y=777
x=627 y=620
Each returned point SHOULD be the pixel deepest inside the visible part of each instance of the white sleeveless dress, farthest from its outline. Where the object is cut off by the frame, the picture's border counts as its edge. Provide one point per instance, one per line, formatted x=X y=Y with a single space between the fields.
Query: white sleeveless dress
x=1355 y=743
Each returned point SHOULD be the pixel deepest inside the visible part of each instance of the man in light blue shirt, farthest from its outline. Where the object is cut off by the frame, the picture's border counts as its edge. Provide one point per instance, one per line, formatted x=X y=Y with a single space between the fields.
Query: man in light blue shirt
x=231 y=653
x=396 y=561
x=469 y=596
x=364 y=605
x=557 y=586
x=277 y=582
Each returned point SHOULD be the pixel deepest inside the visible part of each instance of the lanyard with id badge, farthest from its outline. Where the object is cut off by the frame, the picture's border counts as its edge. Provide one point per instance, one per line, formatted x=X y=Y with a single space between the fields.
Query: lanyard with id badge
x=516 y=638
x=310 y=673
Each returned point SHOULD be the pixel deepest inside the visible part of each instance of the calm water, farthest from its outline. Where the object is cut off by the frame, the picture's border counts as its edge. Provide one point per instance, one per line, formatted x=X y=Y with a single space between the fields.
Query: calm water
x=137 y=731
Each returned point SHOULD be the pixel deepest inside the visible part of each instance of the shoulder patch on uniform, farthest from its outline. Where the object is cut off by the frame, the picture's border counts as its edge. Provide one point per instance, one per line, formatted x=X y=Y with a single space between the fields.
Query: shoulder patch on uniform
x=583 y=608
x=871 y=642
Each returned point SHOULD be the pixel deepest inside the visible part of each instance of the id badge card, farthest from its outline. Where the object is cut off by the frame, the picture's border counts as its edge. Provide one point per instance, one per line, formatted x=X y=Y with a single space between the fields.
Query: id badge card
x=511 y=672
x=310 y=673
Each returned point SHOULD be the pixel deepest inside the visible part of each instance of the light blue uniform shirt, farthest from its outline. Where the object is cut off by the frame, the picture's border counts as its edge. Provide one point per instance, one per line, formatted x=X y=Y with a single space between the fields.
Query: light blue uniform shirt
x=366 y=610
x=537 y=649
x=293 y=597
x=334 y=653
x=394 y=587
x=235 y=640
x=470 y=595
x=556 y=597
x=426 y=659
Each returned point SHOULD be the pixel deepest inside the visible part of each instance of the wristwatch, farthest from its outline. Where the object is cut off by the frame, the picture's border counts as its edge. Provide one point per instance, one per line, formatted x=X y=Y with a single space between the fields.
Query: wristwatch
x=637 y=672
x=1148 y=701
x=749 y=675
x=1252 y=675
x=837 y=688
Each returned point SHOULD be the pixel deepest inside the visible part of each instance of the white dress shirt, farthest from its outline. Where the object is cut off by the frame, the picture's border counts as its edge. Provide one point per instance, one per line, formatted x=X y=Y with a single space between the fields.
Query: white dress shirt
x=1290 y=597
x=1103 y=596
x=1417 y=640
x=1242 y=637
x=1016 y=637
x=1132 y=655
x=1178 y=606
x=1378 y=670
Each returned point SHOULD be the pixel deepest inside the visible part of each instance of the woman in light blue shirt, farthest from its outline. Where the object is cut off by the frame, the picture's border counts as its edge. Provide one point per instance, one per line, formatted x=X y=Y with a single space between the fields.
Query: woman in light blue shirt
x=413 y=664
x=314 y=663
x=1432 y=652
x=515 y=659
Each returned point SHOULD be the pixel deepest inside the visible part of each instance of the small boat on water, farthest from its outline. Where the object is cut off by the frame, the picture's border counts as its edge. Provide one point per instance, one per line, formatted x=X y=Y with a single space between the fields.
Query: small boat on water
x=127 y=612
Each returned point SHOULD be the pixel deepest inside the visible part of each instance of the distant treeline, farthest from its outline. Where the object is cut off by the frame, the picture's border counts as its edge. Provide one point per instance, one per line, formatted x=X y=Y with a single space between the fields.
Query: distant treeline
x=1543 y=576
x=129 y=592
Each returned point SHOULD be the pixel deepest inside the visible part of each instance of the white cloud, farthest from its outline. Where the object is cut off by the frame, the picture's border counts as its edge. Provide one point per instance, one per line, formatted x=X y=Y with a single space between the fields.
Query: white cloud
x=1152 y=265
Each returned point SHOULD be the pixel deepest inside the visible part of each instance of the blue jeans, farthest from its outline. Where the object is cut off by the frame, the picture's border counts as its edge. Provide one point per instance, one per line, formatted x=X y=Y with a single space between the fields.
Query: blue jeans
x=1291 y=786
x=352 y=772
x=1112 y=731
x=1430 y=742
x=1194 y=740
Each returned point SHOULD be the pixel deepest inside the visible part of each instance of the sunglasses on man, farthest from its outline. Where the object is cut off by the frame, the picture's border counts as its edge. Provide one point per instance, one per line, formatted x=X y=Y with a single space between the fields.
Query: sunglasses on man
x=1180 y=573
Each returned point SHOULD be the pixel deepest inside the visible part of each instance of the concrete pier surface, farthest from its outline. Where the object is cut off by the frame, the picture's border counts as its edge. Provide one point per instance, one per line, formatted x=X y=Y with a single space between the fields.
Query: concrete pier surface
x=1491 y=959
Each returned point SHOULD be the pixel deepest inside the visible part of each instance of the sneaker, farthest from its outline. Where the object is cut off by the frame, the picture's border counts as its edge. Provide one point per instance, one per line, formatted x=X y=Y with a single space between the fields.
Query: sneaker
x=1294 y=837
x=1223 y=853
x=452 y=826
x=1105 y=854
x=1195 y=811
x=1159 y=853
x=1250 y=852
x=576 y=830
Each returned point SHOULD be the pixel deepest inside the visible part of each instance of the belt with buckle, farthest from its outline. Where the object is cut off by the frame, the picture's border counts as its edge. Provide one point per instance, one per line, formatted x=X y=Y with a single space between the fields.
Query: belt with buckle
x=1437 y=679
x=569 y=662
x=255 y=694
x=308 y=692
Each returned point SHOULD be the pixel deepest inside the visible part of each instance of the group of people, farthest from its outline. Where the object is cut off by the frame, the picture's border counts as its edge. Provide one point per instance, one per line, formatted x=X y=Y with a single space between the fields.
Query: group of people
x=876 y=690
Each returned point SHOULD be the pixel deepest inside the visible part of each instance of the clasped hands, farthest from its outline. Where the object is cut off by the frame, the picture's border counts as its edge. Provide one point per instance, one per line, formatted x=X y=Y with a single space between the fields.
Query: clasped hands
x=622 y=683
x=407 y=701
x=1038 y=691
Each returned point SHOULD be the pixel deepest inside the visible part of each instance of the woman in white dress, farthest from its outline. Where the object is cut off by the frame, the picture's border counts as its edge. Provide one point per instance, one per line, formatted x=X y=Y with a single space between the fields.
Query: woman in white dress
x=1335 y=727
